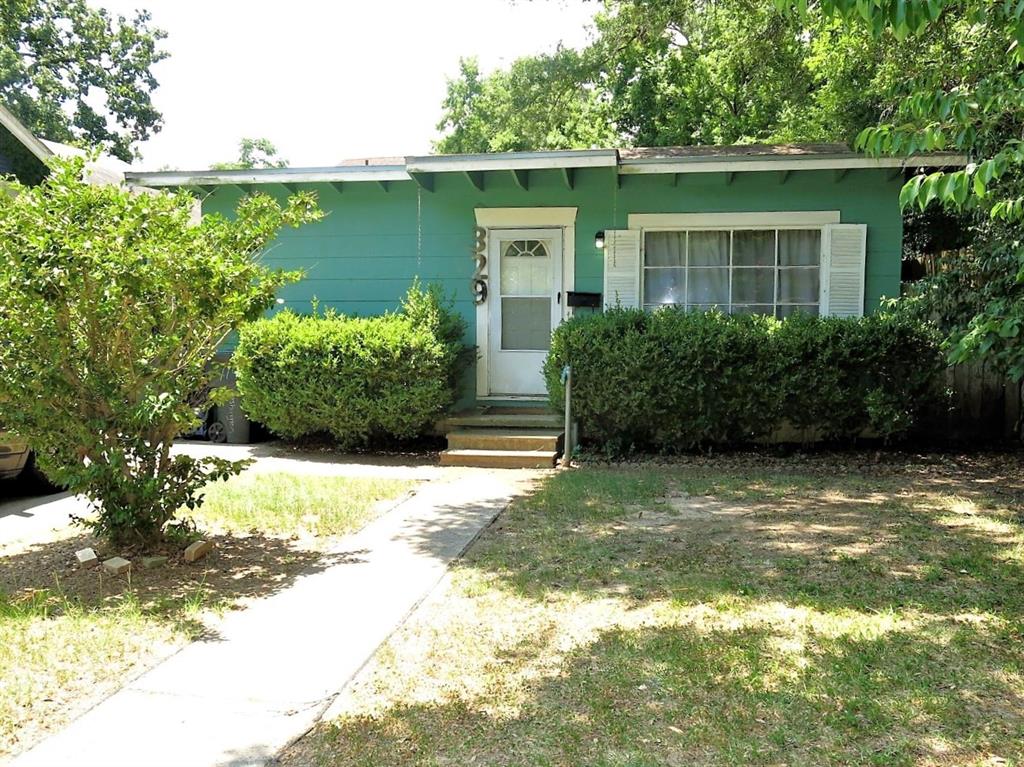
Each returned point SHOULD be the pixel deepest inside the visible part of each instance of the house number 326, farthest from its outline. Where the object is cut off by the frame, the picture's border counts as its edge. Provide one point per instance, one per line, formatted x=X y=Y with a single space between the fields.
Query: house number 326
x=479 y=281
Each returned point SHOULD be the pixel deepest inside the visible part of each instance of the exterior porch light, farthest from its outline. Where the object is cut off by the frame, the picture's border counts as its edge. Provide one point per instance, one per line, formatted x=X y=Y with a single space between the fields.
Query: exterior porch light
x=599 y=240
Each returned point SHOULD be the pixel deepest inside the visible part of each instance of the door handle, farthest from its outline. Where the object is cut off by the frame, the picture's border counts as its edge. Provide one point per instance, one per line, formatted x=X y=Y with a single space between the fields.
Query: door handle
x=558 y=298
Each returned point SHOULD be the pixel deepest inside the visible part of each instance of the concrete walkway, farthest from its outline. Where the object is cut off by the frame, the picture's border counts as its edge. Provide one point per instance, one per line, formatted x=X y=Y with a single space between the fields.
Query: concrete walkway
x=240 y=697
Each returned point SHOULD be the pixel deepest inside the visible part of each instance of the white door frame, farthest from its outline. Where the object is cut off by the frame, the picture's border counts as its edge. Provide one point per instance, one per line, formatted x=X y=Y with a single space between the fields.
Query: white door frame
x=521 y=218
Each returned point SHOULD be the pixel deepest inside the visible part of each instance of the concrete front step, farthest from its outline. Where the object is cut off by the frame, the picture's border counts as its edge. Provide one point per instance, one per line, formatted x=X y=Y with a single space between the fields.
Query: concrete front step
x=500 y=459
x=505 y=439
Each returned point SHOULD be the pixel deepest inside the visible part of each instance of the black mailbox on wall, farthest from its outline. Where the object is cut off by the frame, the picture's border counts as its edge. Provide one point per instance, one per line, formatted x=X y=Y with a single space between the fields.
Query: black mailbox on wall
x=577 y=298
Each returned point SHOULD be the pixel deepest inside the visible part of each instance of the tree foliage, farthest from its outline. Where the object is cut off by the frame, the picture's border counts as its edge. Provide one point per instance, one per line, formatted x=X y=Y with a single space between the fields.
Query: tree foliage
x=698 y=72
x=540 y=102
x=76 y=74
x=112 y=306
x=681 y=72
x=254 y=153
x=967 y=95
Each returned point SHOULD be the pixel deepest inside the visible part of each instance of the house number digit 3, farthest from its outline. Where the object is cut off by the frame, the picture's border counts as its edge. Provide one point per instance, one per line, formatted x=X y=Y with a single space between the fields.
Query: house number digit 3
x=479 y=281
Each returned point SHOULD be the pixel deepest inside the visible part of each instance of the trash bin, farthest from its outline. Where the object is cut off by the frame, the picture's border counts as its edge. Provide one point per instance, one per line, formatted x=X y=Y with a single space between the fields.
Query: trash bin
x=236 y=425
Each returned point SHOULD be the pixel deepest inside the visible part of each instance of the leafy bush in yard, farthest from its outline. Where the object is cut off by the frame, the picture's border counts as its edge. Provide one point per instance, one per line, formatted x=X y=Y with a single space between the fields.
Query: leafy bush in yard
x=675 y=379
x=112 y=307
x=360 y=379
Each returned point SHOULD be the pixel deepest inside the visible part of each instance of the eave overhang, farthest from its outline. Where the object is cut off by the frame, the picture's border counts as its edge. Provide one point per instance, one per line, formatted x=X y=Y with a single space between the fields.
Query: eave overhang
x=325 y=175
x=760 y=163
x=461 y=163
x=422 y=169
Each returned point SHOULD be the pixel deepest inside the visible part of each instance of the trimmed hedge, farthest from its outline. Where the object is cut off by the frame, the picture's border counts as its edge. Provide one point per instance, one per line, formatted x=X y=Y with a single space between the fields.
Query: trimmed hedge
x=673 y=379
x=361 y=380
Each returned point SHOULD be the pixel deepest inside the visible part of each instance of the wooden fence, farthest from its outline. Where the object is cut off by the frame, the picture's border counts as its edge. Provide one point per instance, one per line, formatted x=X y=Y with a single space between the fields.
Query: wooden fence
x=980 y=406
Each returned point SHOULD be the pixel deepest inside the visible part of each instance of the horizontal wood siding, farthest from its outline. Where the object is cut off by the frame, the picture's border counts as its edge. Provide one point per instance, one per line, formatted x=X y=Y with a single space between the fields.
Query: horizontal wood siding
x=364 y=254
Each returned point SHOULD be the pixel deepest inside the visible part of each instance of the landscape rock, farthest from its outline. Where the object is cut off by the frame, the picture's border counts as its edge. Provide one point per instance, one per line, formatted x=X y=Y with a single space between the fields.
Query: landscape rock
x=117 y=565
x=151 y=563
x=198 y=550
x=87 y=558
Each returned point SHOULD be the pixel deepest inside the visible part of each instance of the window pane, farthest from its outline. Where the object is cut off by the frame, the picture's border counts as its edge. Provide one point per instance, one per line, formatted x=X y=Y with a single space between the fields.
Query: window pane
x=708 y=286
x=709 y=248
x=798 y=286
x=665 y=249
x=664 y=286
x=526 y=323
x=788 y=311
x=753 y=248
x=525 y=269
x=799 y=247
x=753 y=286
x=705 y=307
x=753 y=309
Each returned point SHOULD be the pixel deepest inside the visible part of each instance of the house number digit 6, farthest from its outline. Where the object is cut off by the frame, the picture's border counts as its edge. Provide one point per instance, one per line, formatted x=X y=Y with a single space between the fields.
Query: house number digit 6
x=479 y=281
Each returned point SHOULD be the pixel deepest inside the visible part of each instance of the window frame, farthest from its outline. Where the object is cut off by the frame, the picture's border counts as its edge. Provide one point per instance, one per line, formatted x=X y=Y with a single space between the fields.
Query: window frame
x=733 y=226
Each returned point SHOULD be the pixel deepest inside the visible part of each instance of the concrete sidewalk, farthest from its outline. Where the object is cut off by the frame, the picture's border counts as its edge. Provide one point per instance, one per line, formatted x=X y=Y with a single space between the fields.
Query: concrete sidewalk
x=240 y=697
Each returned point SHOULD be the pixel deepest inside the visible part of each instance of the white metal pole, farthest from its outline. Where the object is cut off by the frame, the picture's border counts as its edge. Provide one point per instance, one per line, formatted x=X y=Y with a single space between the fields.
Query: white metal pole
x=567 y=445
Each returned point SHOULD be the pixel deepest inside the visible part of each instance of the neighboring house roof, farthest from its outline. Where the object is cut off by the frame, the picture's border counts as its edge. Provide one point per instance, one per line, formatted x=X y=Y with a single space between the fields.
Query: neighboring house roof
x=707 y=159
x=103 y=170
x=23 y=135
x=373 y=161
x=21 y=153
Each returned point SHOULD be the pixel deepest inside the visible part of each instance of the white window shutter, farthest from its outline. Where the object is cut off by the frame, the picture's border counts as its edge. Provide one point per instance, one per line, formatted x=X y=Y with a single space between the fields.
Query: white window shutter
x=622 y=268
x=844 y=252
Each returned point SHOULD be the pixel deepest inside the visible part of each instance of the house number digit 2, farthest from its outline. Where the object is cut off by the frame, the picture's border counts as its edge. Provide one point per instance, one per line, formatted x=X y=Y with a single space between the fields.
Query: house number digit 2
x=479 y=281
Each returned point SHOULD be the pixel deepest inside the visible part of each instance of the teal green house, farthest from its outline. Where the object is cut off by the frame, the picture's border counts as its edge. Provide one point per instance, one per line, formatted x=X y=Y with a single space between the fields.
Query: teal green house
x=524 y=240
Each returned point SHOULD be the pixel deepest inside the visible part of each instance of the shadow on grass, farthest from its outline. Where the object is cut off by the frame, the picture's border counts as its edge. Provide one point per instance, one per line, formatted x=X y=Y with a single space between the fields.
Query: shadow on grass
x=941 y=544
x=672 y=695
x=238 y=569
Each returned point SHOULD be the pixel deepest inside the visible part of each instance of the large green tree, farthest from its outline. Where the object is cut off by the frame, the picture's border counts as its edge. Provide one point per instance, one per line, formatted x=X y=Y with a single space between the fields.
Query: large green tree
x=540 y=102
x=681 y=72
x=678 y=72
x=74 y=73
x=113 y=304
x=962 y=89
x=698 y=72
x=254 y=153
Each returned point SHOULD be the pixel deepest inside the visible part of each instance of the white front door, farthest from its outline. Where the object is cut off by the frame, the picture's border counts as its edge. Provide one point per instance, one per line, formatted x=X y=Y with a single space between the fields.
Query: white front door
x=524 y=306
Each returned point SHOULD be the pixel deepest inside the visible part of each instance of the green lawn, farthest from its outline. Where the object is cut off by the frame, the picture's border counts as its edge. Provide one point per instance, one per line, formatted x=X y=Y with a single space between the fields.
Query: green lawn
x=281 y=503
x=802 y=615
x=69 y=636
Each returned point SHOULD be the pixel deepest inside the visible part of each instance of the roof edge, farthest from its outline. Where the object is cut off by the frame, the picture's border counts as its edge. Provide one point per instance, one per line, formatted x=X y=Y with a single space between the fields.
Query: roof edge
x=753 y=163
x=567 y=158
x=415 y=166
x=24 y=136
x=269 y=175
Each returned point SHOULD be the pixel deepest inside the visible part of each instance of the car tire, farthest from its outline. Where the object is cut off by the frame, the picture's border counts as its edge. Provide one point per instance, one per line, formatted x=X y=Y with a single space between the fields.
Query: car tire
x=35 y=477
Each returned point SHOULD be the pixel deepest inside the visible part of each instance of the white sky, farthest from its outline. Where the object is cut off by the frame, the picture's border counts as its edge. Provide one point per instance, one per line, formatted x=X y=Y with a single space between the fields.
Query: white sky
x=328 y=80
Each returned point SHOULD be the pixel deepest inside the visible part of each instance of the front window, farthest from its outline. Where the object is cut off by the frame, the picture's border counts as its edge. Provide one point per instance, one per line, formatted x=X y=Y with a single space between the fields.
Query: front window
x=739 y=271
